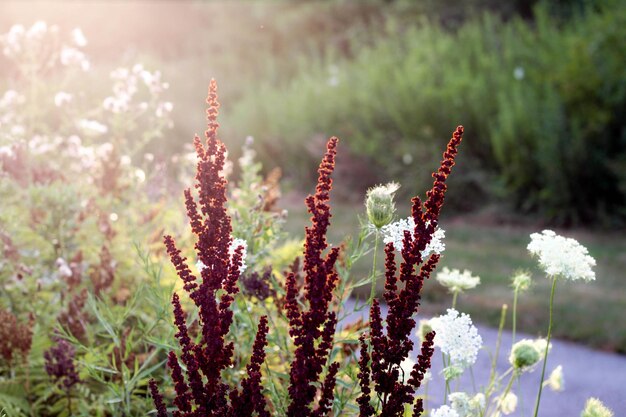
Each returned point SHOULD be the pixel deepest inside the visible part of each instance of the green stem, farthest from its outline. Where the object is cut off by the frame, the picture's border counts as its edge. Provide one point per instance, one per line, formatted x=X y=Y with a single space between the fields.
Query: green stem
x=545 y=354
x=454 y=297
x=373 y=289
x=514 y=314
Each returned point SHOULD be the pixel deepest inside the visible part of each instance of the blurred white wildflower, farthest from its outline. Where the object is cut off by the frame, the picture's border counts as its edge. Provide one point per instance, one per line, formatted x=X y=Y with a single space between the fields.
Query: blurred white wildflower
x=79 y=38
x=72 y=57
x=37 y=30
x=467 y=406
x=526 y=353
x=555 y=380
x=63 y=267
x=519 y=73
x=12 y=41
x=507 y=403
x=163 y=109
x=92 y=127
x=561 y=256
x=140 y=175
x=394 y=233
x=333 y=79
x=457 y=281
x=457 y=337
x=444 y=411
x=595 y=408
x=521 y=281
x=407 y=159
x=114 y=217
x=61 y=98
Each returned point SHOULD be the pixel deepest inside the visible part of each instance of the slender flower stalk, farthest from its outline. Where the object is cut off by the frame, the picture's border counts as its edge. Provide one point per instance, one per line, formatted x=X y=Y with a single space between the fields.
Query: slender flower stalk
x=545 y=354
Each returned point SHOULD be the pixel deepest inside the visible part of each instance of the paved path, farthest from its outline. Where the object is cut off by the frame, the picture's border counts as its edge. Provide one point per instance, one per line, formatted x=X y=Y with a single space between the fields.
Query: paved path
x=587 y=373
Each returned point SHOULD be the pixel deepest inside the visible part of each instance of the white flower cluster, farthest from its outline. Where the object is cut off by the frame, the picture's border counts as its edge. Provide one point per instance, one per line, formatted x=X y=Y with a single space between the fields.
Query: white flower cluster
x=507 y=403
x=561 y=256
x=457 y=337
x=127 y=83
x=231 y=251
x=466 y=406
x=394 y=233
x=555 y=380
x=444 y=411
x=37 y=46
x=9 y=113
x=457 y=281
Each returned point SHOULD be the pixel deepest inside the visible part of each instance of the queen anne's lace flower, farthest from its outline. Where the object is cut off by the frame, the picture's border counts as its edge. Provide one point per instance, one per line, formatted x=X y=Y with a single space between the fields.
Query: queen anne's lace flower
x=457 y=337
x=467 y=406
x=394 y=233
x=457 y=281
x=444 y=411
x=561 y=256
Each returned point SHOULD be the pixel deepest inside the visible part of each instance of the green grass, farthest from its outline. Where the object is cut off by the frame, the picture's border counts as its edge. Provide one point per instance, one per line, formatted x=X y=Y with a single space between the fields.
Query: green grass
x=587 y=313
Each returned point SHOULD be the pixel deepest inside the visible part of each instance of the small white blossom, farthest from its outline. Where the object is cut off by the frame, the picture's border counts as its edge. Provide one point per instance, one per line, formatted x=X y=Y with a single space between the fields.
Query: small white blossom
x=457 y=337
x=508 y=403
x=555 y=380
x=467 y=406
x=394 y=233
x=62 y=98
x=519 y=73
x=64 y=269
x=73 y=57
x=521 y=281
x=79 y=37
x=457 y=281
x=92 y=127
x=561 y=256
x=444 y=411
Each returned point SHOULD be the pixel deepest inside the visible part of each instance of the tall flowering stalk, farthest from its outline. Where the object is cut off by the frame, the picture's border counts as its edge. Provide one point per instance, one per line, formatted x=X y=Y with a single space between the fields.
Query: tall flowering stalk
x=391 y=347
x=312 y=327
x=199 y=388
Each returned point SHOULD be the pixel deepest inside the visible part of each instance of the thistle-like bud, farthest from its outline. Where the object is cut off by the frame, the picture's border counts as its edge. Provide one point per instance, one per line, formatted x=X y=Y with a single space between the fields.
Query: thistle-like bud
x=379 y=204
x=595 y=408
x=555 y=380
x=527 y=353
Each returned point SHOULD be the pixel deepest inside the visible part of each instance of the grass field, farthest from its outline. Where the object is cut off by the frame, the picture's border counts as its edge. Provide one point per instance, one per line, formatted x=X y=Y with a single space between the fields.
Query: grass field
x=590 y=314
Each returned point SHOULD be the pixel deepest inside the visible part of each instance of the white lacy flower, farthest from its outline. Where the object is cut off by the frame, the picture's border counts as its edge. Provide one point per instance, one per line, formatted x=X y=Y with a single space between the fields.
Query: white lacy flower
x=457 y=337
x=555 y=380
x=508 y=403
x=457 y=281
x=79 y=37
x=394 y=233
x=444 y=411
x=92 y=127
x=73 y=57
x=467 y=406
x=561 y=256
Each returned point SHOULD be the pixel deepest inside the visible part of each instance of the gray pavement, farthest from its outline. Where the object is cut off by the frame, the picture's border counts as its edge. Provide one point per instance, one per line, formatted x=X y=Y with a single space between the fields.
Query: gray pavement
x=587 y=373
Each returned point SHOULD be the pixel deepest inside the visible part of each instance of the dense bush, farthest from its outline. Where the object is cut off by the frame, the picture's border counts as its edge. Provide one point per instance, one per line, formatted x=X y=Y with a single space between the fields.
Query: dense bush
x=535 y=97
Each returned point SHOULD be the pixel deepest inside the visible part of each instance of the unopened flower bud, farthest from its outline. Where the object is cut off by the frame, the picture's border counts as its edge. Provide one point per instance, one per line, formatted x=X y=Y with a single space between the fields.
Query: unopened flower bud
x=526 y=353
x=555 y=380
x=379 y=204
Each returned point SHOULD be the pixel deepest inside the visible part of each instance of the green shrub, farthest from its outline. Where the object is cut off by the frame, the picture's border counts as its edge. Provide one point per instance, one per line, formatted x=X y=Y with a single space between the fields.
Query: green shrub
x=534 y=97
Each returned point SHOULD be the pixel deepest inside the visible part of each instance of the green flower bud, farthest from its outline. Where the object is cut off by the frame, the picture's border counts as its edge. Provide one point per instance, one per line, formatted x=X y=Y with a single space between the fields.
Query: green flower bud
x=526 y=353
x=595 y=408
x=379 y=204
x=423 y=329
